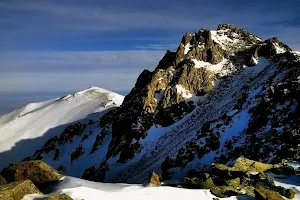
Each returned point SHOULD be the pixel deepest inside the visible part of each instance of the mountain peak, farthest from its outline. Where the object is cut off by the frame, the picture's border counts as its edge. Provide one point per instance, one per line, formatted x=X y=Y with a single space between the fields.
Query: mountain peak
x=181 y=78
x=225 y=26
x=218 y=97
x=93 y=88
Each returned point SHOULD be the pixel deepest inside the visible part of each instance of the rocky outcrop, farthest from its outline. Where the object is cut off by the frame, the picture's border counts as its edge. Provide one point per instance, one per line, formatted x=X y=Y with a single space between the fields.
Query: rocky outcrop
x=246 y=165
x=96 y=173
x=154 y=180
x=26 y=177
x=17 y=190
x=246 y=177
x=36 y=171
x=77 y=153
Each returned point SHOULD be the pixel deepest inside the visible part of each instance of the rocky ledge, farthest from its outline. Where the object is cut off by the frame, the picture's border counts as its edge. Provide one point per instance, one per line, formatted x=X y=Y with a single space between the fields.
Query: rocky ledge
x=245 y=177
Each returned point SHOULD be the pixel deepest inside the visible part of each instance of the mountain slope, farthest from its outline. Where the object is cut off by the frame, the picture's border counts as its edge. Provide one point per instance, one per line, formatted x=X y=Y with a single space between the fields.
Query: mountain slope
x=223 y=94
x=202 y=105
x=26 y=129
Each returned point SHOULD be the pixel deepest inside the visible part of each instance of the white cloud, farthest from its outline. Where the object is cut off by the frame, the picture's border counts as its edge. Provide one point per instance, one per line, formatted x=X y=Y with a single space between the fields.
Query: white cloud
x=31 y=61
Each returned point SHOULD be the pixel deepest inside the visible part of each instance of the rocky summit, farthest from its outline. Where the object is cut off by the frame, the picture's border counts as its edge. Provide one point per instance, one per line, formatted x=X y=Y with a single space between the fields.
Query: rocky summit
x=223 y=94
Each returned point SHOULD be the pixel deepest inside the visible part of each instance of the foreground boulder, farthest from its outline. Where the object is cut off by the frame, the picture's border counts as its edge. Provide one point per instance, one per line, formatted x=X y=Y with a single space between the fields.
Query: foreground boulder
x=17 y=190
x=36 y=171
x=154 y=180
x=59 y=197
x=262 y=193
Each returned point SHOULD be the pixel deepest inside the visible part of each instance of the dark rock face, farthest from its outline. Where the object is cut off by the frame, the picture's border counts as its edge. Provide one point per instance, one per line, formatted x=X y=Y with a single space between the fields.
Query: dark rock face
x=270 y=47
x=17 y=190
x=154 y=180
x=96 y=174
x=36 y=171
x=77 y=153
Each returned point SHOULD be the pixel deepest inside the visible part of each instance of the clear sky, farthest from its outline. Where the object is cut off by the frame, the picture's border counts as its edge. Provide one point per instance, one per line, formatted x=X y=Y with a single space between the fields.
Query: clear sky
x=69 y=45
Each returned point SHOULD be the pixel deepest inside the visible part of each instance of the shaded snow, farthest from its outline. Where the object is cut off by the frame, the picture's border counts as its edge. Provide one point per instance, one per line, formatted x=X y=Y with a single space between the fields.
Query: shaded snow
x=262 y=63
x=253 y=93
x=231 y=113
x=239 y=124
x=159 y=95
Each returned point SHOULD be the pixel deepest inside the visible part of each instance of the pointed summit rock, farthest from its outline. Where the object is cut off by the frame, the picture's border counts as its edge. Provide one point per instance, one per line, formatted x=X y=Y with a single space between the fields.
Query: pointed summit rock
x=154 y=180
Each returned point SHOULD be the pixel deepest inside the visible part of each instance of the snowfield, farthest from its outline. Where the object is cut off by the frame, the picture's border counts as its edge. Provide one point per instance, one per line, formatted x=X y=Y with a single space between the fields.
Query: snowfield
x=80 y=189
x=26 y=129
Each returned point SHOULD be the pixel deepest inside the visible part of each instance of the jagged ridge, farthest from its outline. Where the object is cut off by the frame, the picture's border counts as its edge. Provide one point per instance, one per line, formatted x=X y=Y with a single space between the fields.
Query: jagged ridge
x=200 y=105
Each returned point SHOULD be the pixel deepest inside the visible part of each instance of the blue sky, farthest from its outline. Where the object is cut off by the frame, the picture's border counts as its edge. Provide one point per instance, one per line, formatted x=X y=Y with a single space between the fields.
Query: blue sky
x=60 y=45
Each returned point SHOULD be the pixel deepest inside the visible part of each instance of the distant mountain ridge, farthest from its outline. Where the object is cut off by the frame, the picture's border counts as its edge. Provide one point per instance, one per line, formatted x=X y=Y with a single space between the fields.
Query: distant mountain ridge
x=27 y=129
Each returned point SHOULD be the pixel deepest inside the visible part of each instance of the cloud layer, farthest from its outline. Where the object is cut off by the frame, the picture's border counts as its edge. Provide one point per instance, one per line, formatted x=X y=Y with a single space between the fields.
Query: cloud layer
x=71 y=71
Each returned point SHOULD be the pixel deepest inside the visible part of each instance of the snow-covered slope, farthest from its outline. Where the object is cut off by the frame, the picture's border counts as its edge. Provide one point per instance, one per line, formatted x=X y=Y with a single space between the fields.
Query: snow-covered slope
x=26 y=129
x=79 y=189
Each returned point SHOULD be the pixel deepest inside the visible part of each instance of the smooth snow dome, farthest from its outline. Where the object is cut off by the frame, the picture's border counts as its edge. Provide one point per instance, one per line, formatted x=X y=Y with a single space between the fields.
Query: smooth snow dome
x=26 y=129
